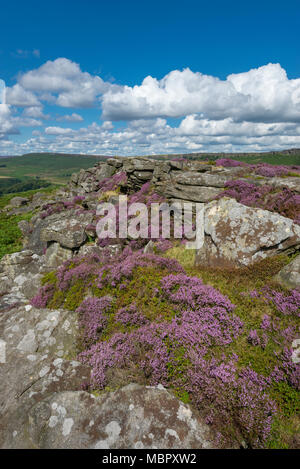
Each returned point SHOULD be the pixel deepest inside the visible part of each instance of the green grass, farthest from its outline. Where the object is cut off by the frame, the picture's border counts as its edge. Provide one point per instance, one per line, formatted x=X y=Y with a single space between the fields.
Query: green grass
x=10 y=234
x=53 y=167
x=275 y=158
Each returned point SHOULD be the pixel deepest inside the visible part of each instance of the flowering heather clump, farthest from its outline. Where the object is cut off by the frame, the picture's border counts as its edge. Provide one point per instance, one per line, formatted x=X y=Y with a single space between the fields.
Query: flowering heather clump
x=286 y=370
x=253 y=338
x=82 y=270
x=163 y=245
x=229 y=163
x=239 y=398
x=124 y=266
x=44 y=295
x=129 y=316
x=286 y=303
x=190 y=291
x=270 y=171
x=112 y=183
x=92 y=316
x=78 y=198
x=262 y=169
x=50 y=209
x=286 y=202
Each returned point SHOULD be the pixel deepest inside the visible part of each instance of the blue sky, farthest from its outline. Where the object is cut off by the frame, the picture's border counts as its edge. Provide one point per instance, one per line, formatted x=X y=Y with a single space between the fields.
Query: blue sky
x=146 y=77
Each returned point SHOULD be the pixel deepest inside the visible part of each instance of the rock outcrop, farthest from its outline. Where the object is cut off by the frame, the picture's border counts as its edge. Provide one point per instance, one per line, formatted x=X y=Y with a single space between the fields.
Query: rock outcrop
x=236 y=235
x=133 y=417
x=67 y=228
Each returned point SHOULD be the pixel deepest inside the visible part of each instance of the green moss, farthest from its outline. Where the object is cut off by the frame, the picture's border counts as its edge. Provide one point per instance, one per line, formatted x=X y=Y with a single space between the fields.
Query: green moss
x=283 y=433
x=75 y=295
x=186 y=257
x=10 y=234
x=57 y=300
x=287 y=398
x=179 y=364
x=50 y=277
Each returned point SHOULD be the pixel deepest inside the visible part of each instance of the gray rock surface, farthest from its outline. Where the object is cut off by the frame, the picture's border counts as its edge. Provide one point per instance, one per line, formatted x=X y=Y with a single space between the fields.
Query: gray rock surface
x=66 y=228
x=236 y=235
x=289 y=276
x=19 y=201
x=38 y=347
x=56 y=255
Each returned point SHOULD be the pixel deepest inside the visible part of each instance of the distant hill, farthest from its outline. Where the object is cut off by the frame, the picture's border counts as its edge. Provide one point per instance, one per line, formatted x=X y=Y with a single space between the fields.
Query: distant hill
x=33 y=169
x=53 y=167
x=286 y=157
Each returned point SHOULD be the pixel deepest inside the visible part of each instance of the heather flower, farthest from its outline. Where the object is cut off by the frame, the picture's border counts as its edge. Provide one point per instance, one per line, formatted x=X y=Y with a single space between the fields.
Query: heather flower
x=285 y=202
x=92 y=316
x=253 y=338
x=43 y=296
x=129 y=316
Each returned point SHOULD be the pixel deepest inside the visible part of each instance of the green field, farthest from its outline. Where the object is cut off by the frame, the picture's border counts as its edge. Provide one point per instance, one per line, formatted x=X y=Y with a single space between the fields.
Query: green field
x=53 y=167
x=277 y=158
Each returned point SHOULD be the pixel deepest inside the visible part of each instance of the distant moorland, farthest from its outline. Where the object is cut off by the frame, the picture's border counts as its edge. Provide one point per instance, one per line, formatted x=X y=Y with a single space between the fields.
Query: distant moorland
x=35 y=170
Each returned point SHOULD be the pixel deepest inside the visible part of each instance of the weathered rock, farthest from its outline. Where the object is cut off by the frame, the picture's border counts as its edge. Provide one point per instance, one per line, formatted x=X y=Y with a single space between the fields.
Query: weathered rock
x=30 y=285
x=5 y=284
x=24 y=226
x=56 y=255
x=149 y=248
x=199 y=179
x=236 y=235
x=19 y=201
x=114 y=162
x=133 y=417
x=186 y=192
x=138 y=164
x=292 y=183
x=66 y=228
x=37 y=350
x=19 y=263
x=289 y=276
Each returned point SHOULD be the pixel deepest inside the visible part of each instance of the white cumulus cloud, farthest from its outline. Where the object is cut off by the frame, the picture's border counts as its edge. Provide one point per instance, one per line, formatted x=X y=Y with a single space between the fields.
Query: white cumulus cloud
x=264 y=94
x=64 y=79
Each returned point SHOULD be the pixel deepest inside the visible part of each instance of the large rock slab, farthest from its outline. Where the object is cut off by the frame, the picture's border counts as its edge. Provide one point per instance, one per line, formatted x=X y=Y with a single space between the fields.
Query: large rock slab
x=66 y=228
x=199 y=179
x=236 y=235
x=37 y=350
x=187 y=192
x=132 y=417
x=289 y=276
x=20 y=263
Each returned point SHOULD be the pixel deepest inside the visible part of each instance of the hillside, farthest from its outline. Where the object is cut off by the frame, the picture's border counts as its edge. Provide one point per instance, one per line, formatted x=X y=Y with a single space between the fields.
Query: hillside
x=51 y=167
